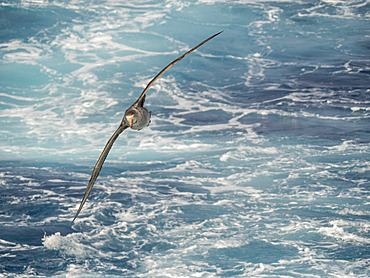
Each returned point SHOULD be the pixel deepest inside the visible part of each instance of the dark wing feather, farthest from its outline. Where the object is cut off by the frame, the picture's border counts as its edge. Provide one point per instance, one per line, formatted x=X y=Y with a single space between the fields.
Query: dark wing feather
x=141 y=103
x=99 y=165
x=141 y=98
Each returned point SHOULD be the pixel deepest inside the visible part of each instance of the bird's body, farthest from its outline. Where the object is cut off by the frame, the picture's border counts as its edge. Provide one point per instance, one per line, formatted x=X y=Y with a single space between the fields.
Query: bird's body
x=136 y=117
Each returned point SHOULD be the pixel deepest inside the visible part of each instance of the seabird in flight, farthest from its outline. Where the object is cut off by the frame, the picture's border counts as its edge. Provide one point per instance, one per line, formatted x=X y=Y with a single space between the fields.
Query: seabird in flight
x=136 y=117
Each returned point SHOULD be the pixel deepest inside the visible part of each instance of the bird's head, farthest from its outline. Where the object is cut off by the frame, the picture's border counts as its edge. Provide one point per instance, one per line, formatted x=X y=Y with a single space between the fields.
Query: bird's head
x=130 y=118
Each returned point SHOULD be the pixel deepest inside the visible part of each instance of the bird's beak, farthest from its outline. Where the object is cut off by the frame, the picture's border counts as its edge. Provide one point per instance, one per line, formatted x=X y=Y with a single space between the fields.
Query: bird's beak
x=130 y=122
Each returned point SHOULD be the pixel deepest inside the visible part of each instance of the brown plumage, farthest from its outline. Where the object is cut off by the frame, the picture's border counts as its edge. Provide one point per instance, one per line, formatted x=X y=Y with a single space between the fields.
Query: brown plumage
x=136 y=117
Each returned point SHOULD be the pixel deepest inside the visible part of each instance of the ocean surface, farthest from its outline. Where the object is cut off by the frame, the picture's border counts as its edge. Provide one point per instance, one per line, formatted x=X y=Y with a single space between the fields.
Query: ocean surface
x=256 y=162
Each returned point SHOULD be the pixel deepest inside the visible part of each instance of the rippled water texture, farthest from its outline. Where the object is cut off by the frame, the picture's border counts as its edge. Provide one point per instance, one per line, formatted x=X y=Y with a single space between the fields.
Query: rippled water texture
x=255 y=164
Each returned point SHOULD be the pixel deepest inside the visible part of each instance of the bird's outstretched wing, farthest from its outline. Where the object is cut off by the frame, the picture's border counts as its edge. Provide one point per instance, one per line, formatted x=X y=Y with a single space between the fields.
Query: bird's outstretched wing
x=99 y=165
x=169 y=66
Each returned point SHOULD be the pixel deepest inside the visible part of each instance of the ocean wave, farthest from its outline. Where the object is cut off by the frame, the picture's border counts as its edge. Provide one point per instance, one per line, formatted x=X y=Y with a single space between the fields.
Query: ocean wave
x=254 y=164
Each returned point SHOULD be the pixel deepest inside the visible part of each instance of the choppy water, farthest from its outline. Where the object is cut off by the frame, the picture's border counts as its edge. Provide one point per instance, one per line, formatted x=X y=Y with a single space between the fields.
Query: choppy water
x=256 y=163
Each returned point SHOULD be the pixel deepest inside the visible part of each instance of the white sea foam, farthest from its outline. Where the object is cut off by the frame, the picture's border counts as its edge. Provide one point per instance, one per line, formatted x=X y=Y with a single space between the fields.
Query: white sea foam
x=244 y=152
x=11 y=246
x=338 y=231
x=69 y=245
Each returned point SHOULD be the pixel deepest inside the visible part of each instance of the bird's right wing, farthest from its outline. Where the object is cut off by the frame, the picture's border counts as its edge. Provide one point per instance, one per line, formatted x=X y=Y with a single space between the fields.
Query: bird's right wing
x=141 y=97
x=99 y=165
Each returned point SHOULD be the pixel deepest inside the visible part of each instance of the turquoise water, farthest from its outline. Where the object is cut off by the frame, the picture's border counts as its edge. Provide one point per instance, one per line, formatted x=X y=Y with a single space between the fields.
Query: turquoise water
x=255 y=164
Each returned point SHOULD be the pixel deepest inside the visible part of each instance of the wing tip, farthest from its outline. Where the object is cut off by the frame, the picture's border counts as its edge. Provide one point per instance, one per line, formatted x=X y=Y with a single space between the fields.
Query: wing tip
x=217 y=34
x=78 y=212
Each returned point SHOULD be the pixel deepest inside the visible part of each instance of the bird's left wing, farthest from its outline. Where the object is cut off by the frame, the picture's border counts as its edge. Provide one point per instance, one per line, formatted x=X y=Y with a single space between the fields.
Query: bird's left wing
x=99 y=165
x=139 y=100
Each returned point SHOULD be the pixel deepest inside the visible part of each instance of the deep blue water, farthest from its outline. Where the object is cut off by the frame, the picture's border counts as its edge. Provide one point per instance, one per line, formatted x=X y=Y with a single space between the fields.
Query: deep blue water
x=256 y=162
